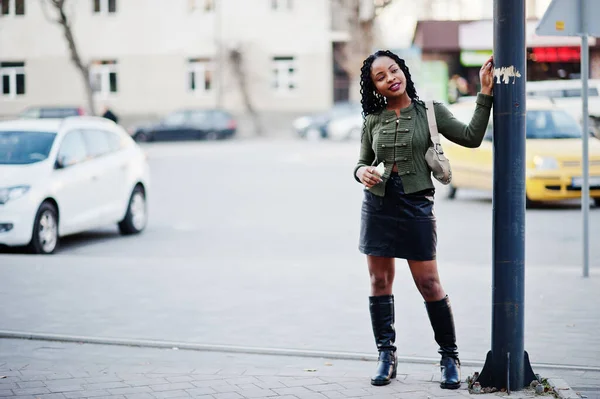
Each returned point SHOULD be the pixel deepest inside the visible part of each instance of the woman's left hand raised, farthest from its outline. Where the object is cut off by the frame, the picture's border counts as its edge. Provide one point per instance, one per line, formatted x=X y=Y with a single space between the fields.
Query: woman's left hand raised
x=486 y=76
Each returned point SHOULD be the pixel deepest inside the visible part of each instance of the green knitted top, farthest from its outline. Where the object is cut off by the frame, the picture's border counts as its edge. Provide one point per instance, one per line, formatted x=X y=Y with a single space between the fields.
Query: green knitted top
x=388 y=138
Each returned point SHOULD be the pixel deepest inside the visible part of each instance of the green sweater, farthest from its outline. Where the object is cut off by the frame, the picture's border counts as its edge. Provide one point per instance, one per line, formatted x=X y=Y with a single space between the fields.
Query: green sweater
x=404 y=140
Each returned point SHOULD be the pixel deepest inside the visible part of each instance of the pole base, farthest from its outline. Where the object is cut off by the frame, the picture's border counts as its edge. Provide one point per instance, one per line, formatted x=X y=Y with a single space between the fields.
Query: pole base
x=491 y=377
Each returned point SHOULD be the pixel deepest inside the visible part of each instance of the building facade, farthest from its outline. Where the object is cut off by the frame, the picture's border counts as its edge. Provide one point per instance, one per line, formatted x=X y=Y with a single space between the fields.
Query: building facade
x=153 y=56
x=465 y=45
x=548 y=57
x=398 y=21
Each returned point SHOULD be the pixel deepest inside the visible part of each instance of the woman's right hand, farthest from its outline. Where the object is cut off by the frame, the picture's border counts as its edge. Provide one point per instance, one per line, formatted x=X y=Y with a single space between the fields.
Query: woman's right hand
x=486 y=76
x=368 y=176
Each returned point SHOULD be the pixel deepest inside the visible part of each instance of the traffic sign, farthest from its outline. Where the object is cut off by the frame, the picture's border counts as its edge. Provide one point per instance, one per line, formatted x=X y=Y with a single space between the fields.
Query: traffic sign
x=570 y=18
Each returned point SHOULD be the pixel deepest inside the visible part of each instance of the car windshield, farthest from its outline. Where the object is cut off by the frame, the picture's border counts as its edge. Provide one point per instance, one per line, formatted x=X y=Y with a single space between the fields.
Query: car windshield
x=551 y=124
x=23 y=147
x=541 y=124
x=174 y=119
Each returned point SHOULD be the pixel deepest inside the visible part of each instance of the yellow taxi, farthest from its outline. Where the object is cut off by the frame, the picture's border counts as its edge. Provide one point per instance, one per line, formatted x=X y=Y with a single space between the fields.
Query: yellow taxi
x=553 y=155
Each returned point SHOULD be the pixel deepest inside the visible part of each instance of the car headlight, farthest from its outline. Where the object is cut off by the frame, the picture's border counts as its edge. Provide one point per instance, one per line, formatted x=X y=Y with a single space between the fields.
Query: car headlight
x=11 y=193
x=545 y=163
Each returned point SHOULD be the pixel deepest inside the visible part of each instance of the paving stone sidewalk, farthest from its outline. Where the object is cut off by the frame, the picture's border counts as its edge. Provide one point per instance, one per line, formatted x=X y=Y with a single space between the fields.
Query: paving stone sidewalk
x=52 y=370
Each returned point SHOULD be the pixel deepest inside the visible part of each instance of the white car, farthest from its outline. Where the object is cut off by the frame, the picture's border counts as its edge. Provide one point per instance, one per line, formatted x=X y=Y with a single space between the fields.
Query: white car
x=65 y=176
x=567 y=95
x=347 y=127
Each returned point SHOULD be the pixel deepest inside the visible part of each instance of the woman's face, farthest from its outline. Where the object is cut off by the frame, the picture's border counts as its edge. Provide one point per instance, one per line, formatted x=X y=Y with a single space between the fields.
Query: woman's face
x=388 y=78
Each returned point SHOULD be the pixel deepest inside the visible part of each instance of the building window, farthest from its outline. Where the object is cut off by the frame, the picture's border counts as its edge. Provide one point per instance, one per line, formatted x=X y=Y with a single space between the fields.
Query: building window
x=12 y=7
x=203 y=5
x=12 y=79
x=200 y=75
x=103 y=76
x=105 y=6
x=281 y=4
x=284 y=74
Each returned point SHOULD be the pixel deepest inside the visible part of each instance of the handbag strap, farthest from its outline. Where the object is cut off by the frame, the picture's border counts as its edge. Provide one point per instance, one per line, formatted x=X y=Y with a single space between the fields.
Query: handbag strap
x=433 y=130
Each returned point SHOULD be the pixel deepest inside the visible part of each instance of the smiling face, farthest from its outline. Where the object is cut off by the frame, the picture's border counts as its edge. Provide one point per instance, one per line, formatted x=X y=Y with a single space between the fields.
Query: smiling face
x=388 y=78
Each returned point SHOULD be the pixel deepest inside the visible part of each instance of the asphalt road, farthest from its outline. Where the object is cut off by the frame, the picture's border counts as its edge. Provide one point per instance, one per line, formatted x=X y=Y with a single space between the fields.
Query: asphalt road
x=255 y=243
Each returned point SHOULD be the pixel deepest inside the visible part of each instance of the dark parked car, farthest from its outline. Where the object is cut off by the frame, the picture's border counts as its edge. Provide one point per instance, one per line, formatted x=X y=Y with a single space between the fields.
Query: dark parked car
x=51 y=112
x=209 y=124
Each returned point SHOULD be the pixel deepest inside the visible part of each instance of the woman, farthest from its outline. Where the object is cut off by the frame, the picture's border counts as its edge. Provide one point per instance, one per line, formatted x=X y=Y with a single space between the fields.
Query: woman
x=397 y=219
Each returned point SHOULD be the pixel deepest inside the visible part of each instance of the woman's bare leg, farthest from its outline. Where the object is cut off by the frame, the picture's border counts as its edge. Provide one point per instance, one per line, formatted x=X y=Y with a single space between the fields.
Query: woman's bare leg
x=382 y=271
x=427 y=279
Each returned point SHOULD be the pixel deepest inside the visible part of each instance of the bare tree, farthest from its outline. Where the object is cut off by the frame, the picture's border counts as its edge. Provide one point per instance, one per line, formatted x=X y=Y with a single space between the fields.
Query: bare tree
x=65 y=22
x=360 y=24
x=240 y=71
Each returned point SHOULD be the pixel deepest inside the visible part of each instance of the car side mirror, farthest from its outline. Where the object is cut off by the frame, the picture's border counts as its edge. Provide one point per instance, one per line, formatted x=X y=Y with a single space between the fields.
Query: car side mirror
x=60 y=163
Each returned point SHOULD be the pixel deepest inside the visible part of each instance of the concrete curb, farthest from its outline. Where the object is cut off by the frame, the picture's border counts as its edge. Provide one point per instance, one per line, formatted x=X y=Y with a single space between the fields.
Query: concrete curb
x=562 y=389
x=159 y=344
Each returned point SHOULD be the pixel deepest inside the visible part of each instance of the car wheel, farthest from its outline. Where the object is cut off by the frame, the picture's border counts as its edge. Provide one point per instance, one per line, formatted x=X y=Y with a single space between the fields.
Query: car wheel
x=451 y=192
x=142 y=137
x=211 y=136
x=313 y=134
x=529 y=203
x=44 y=239
x=137 y=216
x=597 y=202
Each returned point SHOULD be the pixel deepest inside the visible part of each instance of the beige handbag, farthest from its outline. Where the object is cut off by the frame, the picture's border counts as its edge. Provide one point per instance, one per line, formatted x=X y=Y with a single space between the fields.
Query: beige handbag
x=435 y=158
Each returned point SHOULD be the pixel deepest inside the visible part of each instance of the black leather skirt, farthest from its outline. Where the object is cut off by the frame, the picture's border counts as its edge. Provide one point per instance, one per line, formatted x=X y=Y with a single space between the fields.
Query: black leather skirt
x=398 y=225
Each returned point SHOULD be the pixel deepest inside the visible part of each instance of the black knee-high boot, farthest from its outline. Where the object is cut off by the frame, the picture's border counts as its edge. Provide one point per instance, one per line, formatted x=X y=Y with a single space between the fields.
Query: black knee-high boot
x=382 y=320
x=442 y=321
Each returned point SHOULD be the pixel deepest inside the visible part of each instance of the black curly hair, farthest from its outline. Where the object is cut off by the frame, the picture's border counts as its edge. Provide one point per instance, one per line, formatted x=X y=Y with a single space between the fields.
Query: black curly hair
x=373 y=102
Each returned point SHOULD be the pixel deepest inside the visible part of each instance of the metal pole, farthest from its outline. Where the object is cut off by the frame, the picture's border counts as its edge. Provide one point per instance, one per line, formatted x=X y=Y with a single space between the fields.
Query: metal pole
x=585 y=190
x=509 y=194
x=502 y=370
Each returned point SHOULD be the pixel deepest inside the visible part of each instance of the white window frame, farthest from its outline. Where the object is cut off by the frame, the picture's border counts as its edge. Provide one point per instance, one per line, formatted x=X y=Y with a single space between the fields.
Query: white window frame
x=278 y=5
x=12 y=73
x=104 y=8
x=201 y=5
x=12 y=9
x=282 y=75
x=104 y=71
x=199 y=68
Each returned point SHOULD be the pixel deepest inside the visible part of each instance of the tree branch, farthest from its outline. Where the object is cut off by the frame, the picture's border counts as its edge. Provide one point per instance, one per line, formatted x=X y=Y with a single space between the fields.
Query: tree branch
x=361 y=27
x=46 y=14
x=236 y=57
x=64 y=22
